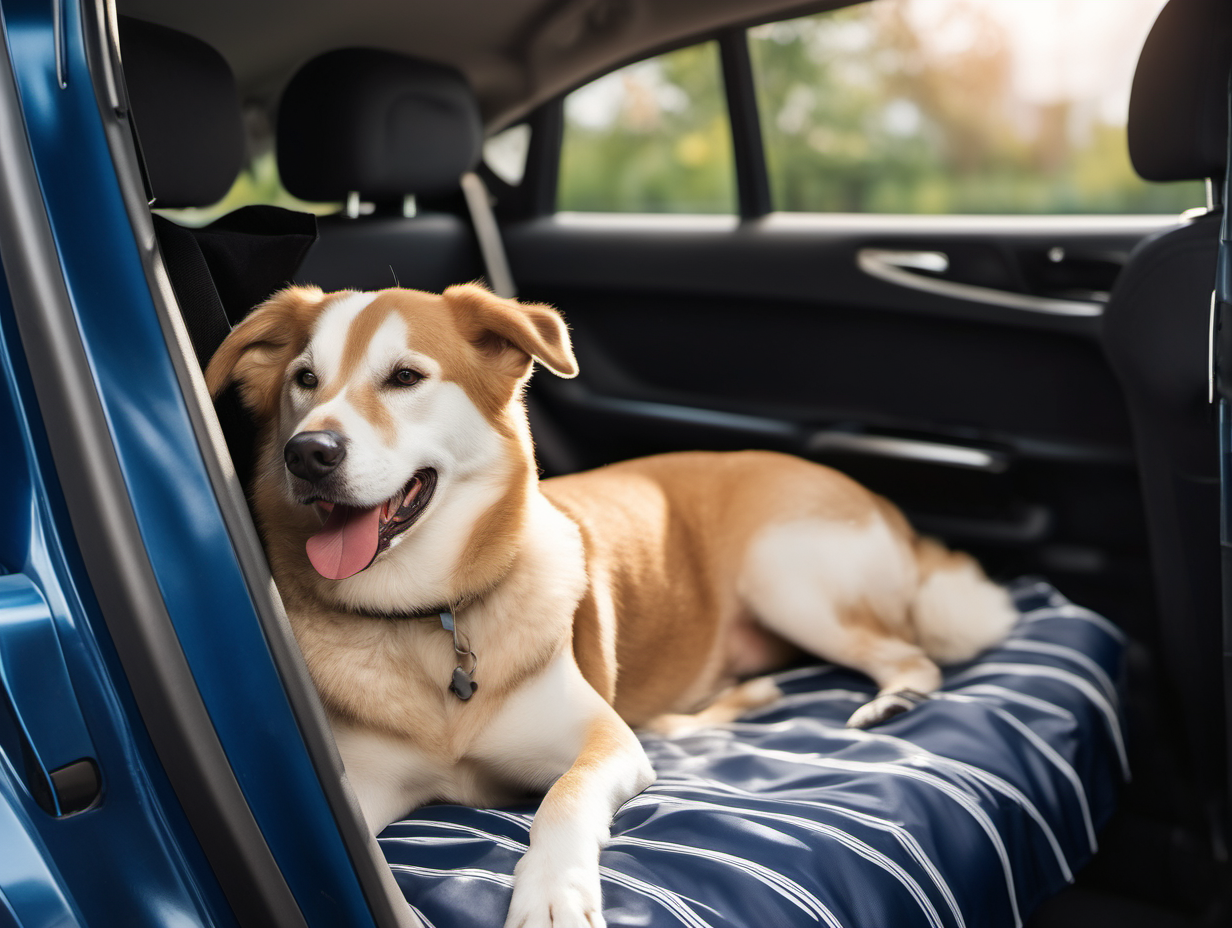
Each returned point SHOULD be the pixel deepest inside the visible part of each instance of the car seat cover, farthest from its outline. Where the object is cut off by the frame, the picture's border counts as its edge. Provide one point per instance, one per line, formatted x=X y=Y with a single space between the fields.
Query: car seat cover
x=969 y=809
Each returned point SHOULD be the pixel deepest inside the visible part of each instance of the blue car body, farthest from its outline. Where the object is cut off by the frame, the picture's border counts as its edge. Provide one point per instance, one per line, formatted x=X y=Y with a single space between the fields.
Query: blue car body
x=125 y=614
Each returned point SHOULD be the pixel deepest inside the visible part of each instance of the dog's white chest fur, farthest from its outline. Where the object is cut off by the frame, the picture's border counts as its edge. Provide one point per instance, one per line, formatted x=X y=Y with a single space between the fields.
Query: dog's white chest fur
x=404 y=737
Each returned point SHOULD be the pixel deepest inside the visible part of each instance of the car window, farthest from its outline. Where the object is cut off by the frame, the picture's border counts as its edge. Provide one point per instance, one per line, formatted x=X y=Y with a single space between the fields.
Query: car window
x=954 y=106
x=257 y=183
x=505 y=153
x=652 y=137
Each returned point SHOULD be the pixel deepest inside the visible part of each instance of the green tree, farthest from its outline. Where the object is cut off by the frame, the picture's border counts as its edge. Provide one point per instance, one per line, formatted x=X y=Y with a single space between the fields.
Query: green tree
x=664 y=147
x=861 y=111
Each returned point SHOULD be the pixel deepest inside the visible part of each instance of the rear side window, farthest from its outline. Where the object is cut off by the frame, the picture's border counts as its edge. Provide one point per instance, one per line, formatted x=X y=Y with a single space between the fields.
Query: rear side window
x=952 y=106
x=653 y=137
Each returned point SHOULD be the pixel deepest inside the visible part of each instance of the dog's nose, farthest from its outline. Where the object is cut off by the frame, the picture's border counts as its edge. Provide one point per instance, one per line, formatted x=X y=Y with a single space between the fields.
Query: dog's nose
x=313 y=455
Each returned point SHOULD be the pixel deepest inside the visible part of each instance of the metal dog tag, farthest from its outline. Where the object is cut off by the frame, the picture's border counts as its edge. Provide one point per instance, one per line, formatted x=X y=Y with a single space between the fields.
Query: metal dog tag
x=462 y=685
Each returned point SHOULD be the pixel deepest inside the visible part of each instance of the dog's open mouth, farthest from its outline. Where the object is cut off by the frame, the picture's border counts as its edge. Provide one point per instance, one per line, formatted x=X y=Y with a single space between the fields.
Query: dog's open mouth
x=352 y=537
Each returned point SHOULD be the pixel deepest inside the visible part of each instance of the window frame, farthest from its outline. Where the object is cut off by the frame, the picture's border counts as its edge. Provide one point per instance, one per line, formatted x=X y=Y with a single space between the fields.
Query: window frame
x=537 y=196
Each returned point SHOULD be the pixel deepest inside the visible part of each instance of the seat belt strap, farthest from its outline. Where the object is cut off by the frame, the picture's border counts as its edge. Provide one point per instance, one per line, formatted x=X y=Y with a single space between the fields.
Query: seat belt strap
x=491 y=247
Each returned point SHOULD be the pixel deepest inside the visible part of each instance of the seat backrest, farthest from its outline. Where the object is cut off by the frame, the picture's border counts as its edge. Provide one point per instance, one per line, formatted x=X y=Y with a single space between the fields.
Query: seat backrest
x=189 y=126
x=1155 y=333
x=368 y=124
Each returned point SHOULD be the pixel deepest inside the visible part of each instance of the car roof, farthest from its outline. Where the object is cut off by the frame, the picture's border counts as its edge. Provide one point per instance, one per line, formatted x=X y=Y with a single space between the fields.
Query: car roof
x=515 y=53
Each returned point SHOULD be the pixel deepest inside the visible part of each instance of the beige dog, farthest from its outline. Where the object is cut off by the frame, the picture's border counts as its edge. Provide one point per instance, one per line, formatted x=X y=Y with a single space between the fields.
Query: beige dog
x=397 y=495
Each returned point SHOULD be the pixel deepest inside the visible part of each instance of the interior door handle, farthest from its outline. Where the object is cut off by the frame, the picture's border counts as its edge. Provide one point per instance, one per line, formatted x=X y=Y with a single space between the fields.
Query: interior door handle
x=901 y=267
x=908 y=449
x=50 y=733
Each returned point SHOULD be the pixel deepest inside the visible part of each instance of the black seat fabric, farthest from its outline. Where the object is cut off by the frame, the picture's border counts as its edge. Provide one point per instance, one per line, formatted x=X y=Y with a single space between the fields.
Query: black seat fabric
x=1155 y=336
x=187 y=116
x=376 y=123
x=383 y=126
x=186 y=110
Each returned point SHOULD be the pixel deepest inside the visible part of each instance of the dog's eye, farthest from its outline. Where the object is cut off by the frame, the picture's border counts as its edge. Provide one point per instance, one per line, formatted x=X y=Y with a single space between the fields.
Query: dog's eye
x=405 y=377
x=306 y=379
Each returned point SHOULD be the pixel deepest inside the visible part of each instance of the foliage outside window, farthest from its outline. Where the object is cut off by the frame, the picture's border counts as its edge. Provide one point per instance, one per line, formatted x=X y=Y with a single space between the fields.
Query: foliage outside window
x=957 y=106
x=653 y=137
x=257 y=183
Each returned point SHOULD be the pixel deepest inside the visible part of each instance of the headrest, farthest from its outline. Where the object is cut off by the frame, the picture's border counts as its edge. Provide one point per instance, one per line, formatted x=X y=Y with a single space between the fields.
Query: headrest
x=1178 y=106
x=186 y=111
x=376 y=123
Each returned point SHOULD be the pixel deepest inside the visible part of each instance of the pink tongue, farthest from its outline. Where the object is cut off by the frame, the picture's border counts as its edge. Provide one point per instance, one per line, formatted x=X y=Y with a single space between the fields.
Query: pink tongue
x=346 y=543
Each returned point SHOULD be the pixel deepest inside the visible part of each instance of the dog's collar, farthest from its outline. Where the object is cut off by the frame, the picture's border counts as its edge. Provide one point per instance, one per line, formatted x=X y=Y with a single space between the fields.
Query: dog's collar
x=462 y=682
x=419 y=615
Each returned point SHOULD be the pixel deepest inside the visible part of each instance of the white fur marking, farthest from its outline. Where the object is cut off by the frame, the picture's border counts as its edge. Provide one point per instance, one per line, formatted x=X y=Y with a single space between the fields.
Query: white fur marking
x=959 y=613
x=330 y=332
x=798 y=575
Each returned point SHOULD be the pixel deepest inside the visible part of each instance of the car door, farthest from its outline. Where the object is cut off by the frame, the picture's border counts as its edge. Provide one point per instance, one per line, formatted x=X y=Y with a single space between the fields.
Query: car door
x=163 y=759
x=950 y=359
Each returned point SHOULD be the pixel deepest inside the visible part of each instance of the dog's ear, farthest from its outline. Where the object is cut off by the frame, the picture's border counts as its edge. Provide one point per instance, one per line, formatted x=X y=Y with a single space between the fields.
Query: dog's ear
x=511 y=334
x=256 y=353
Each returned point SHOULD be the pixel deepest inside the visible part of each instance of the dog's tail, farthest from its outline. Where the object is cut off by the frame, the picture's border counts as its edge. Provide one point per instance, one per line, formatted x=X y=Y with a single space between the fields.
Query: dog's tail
x=957 y=611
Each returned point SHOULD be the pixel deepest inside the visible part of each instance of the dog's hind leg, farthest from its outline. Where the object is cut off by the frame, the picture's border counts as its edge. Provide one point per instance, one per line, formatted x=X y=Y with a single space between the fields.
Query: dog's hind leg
x=843 y=592
x=727 y=707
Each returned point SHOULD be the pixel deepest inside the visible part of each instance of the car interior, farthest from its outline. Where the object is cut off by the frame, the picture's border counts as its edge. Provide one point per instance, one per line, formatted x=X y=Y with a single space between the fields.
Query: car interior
x=1039 y=398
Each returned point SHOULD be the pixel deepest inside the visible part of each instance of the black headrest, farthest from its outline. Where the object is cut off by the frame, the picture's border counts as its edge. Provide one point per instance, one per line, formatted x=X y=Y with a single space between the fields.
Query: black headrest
x=376 y=123
x=187 y=113
x=1178 y=107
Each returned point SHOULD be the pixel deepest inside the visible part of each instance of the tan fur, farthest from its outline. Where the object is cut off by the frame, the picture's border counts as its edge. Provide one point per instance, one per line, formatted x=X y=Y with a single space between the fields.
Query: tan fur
x=667 y=536
x=257 y=352
x=631 y=595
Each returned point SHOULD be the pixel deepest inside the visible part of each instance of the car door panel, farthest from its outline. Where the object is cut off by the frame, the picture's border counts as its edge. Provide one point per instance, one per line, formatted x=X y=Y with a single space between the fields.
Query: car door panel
x=980 y=402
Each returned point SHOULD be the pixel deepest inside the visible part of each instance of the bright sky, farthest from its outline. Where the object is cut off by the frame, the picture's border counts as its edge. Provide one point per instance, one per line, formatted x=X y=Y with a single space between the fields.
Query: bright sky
x=1076 y=49
x=1082 y=50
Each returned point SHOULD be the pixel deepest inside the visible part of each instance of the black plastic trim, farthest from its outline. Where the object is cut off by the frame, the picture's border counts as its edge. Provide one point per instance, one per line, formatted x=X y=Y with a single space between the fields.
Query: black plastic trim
x=536 y=195
x=811 y=259
x=720 y=428
x=752 y=177
x=371 y=867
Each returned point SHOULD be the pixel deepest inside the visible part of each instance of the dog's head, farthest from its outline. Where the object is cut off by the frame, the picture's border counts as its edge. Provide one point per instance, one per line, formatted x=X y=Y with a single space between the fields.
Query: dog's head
x=376 y=410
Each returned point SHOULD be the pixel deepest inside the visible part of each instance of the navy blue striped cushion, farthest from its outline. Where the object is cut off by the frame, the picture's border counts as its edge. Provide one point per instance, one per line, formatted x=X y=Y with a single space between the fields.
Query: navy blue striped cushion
x=967 y=810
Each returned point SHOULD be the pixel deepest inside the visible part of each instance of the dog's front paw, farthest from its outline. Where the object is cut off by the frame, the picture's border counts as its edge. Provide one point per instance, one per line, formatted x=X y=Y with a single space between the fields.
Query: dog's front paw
x=885 y=707
x=548 y=897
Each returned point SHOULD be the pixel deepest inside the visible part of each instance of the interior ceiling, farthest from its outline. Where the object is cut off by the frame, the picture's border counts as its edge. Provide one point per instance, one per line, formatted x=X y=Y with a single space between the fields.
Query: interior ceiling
x=516 y=53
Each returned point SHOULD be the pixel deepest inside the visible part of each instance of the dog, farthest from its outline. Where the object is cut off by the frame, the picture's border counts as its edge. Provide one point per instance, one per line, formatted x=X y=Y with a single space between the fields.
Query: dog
x=476 y=633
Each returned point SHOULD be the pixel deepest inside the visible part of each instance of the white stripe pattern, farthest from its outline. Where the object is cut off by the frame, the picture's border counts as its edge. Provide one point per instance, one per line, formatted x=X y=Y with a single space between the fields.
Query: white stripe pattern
x=1048 y=753
x=905 y=838
x=789 y=889
x=671 y=901
x=1008 y=695
x=1070 y=611
x=994 y=668
x=956 y=793
x=862 y=848
x=961 y=769
x=1068 y=653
